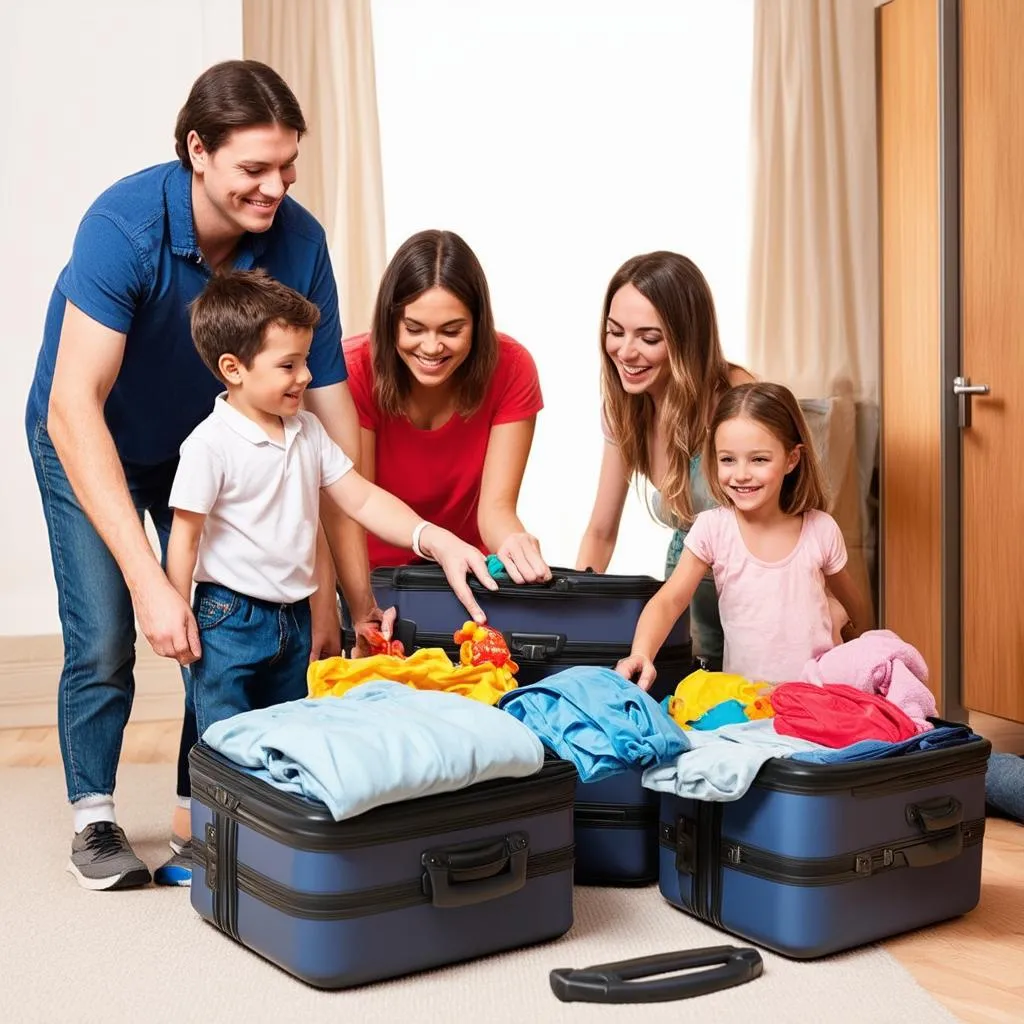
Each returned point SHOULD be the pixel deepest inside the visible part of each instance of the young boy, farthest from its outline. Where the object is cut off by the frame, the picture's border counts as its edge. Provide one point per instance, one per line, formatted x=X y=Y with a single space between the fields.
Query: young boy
x=246 y=497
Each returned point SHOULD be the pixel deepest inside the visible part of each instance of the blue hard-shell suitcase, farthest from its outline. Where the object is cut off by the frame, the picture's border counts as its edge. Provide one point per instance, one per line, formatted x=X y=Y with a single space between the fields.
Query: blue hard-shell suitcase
x=576 y=618
x=401 y=888
x=817 y=858
x=616 y=828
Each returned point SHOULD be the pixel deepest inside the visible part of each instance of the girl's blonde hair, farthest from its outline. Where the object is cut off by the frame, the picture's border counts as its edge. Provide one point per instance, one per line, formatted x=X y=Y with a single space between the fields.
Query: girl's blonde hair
x=774 y=407
x=699 y=373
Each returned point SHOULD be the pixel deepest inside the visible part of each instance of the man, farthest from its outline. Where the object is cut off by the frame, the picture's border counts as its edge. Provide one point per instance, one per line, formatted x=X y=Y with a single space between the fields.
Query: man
x=118 y=386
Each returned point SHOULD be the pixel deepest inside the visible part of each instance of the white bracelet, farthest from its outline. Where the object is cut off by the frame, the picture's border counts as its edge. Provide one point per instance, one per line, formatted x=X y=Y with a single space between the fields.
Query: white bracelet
x=420 y=527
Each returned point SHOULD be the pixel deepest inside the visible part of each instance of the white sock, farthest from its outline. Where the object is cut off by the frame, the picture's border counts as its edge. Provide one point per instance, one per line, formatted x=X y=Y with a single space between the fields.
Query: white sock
x=91 y=809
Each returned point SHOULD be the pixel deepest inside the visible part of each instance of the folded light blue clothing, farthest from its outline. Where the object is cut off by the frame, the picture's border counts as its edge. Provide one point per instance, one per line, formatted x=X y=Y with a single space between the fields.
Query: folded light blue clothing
x=599 y=721
x=871 y=750
x=722 y=764
x=381 y=743
x=1004 y=785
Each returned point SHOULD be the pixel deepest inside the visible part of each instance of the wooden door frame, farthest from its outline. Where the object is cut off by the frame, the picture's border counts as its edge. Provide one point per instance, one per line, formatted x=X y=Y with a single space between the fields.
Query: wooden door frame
x=950 y=282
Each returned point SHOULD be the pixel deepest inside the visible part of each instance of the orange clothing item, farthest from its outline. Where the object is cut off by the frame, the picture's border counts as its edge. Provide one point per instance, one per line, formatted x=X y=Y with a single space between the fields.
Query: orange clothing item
x=426 y=669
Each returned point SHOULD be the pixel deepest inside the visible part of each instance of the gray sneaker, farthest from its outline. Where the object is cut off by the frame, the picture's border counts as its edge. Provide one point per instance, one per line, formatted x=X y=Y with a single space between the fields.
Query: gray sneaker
x=101 y=858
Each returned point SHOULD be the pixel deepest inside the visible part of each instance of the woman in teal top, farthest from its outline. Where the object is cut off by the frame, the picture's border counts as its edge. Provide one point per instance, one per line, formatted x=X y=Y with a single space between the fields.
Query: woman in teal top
x=662 y=374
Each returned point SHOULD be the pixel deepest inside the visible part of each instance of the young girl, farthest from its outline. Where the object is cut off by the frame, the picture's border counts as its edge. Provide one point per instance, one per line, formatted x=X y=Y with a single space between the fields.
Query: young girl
x=770 y=545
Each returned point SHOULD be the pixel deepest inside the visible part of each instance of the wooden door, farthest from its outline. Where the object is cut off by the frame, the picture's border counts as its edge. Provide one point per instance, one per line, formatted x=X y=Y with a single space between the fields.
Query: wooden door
x=911 y=457
x=992 y=353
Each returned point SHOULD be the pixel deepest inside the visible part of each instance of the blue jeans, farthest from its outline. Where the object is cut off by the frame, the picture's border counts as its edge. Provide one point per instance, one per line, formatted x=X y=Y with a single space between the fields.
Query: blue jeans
x=255 y=654
x=705 y=623
x=94 y=697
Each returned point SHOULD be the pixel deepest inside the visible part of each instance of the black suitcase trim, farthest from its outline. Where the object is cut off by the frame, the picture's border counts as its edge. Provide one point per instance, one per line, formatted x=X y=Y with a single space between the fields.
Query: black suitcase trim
x=879 y=777
x=427 y=576
x=340 y=906
x=631 y=816
x=803 y=871
x=308 y=825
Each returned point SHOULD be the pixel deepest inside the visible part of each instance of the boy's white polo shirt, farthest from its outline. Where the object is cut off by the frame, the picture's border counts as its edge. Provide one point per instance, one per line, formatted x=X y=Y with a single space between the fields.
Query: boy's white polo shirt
x=261 y=499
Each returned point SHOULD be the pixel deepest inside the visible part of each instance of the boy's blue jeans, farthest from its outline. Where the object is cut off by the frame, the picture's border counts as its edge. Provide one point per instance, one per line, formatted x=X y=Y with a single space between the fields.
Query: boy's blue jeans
x=94 y=697
x=254 y=654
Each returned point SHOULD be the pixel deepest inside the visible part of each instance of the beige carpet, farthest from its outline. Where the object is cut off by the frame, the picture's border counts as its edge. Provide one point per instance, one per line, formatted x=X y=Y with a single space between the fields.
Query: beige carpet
x=71 y=955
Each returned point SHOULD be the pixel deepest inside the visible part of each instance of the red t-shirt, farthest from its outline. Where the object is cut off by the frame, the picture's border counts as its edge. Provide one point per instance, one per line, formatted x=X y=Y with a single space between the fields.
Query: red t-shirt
x=438 y=472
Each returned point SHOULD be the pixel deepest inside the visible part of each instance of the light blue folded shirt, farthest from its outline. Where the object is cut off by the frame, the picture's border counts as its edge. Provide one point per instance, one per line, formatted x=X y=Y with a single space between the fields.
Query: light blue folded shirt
x=723 y=763
x=599 y=721
x=380 y=743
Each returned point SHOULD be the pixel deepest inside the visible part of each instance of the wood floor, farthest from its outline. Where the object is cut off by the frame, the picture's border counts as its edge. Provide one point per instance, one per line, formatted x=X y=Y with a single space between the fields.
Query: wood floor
x=973 y=965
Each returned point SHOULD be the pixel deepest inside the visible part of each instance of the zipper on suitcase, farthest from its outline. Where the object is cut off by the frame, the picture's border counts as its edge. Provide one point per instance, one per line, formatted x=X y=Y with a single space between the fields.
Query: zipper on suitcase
x=338 y=906
x=813 y=871
x=302 y=824
x=563 y=581
x=564 y=652
x=615 y=815
x=710 y=857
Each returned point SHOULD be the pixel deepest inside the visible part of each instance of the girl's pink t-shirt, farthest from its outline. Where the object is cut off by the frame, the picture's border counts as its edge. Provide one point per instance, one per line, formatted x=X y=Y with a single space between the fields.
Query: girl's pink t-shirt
x=775 y=615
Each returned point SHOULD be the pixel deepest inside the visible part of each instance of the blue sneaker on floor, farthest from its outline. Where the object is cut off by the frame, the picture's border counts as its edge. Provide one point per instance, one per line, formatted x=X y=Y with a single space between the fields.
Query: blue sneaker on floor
x=177 y=870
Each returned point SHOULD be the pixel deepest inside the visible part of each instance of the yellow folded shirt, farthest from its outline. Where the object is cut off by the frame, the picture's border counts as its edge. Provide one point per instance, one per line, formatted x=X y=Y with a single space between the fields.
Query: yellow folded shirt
x=426 y=669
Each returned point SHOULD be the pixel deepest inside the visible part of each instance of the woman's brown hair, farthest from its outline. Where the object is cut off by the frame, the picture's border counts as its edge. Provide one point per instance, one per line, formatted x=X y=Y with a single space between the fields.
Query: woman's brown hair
x=432 y=259
x=234 y=94
x=699 y=373
x=774 y=407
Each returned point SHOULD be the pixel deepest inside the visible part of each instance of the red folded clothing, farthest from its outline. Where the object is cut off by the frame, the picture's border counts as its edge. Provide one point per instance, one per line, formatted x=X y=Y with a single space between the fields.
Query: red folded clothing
x=837 y=715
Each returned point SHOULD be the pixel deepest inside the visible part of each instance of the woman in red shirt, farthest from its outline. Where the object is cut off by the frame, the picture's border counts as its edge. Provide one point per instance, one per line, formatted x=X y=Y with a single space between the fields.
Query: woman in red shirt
x=446 y=404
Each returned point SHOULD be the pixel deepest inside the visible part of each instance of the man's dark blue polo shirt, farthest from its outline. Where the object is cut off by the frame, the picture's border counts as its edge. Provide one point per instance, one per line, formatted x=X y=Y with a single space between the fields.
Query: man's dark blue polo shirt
x=135 y=267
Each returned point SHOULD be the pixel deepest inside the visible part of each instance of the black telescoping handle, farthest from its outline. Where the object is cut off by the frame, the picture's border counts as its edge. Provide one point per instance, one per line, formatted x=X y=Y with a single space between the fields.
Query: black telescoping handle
x=614 y=983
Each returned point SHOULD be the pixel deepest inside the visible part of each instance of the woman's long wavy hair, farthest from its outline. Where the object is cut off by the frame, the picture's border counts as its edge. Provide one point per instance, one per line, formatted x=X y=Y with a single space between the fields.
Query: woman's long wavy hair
x=699 y=373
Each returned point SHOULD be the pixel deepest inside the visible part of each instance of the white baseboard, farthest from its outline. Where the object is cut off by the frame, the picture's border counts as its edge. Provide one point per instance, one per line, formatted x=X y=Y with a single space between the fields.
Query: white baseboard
x=30 y=668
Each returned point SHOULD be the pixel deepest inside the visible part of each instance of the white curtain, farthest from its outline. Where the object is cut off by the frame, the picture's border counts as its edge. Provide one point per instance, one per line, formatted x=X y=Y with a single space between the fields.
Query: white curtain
x=813 y=308
x=324 y=50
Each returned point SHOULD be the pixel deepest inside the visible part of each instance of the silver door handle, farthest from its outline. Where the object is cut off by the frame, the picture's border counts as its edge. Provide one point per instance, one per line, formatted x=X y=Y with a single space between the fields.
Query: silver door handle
x=963 y=389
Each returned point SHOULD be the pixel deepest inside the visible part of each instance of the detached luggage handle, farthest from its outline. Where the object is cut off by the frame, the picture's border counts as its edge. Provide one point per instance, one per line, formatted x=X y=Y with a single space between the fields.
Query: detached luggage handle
x=942 y=817
x=614 y=983
x=459 y=876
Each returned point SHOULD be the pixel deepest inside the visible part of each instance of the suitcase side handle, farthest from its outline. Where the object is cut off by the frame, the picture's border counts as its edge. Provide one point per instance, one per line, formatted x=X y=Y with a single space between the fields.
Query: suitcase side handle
x=941 y=818
x=614 y=983
x=459 y=876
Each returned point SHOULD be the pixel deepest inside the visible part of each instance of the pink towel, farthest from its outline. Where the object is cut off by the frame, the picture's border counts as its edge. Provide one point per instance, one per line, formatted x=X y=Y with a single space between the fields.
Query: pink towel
x=878 y=661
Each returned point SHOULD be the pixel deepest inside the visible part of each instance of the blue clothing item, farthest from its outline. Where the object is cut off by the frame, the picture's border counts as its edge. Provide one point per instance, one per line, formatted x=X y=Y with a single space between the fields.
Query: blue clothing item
x=871 y=750
x=1004 y=785
x=135 y=266
x=729 y=712
x=599 y=721
x=381 y=743
x=496 y=568
x=94 y=696
x=255 y=653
